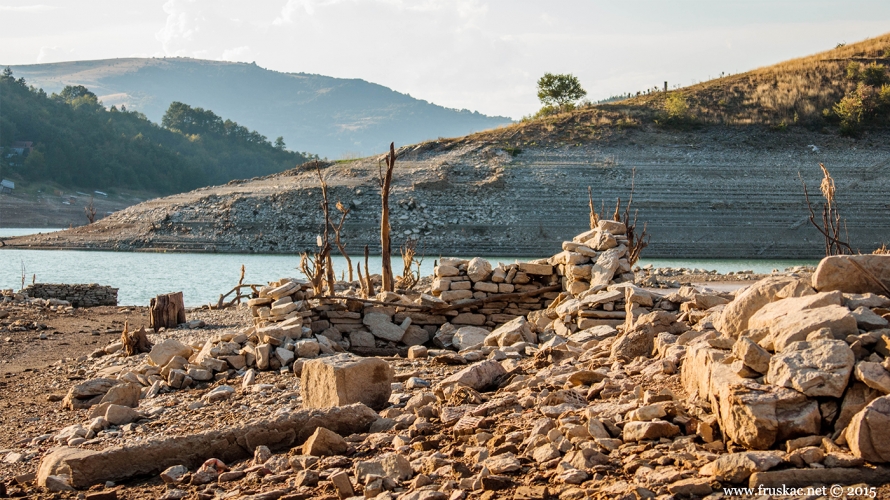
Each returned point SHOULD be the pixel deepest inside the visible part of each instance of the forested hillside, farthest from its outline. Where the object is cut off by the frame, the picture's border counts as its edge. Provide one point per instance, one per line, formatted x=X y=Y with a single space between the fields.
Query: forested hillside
x=78 y=143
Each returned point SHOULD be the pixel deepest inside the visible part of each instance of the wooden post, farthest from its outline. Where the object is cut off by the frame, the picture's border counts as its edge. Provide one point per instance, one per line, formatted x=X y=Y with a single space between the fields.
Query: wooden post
x=385 y=251
x=166 y=311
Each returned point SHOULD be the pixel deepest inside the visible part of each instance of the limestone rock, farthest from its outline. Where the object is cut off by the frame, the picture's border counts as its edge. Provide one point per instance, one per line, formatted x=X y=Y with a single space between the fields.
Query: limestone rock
x=796 y=326
x=774 y=311
x=750 y=414
x=343 y=379
x=838 y=273
x=120 y=415
x=478 y=269
x=867 y=433
x=873 y=375
x=87 y=394
x=857 y=397
x=656 y=429
x=162 y=352
x=817 y=368
x=324 y=443
x=637 y=342
x=126 y=394
x=415 y=336
x=606 y=265
x=468 y=336
x=751 y=354
x=381 y=326
x=736 y=467
x=611 y=226
x=868 y=320
x=512 y=332
x=388 y=465
x=734 y=318
x=478 y=376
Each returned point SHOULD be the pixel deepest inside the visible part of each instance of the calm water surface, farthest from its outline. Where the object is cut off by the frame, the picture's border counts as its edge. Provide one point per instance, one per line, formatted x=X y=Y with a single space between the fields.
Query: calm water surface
x=202 y=277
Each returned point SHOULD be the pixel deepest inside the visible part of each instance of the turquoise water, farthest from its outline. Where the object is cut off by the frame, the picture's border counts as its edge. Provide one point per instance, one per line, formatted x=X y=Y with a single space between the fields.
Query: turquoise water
x=203 y=277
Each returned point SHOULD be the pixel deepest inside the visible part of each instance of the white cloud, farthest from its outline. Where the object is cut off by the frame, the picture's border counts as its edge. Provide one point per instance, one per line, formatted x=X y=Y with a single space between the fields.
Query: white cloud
x=239 y=54
x=27 y=8
x=55 y=54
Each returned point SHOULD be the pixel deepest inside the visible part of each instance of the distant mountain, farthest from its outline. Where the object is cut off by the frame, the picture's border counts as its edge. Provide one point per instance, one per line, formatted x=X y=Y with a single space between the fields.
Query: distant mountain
x=331 y=117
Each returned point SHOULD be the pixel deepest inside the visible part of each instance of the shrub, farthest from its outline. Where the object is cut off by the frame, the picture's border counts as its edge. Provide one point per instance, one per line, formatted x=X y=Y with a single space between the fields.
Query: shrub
x=874 y=74
x=676 y=108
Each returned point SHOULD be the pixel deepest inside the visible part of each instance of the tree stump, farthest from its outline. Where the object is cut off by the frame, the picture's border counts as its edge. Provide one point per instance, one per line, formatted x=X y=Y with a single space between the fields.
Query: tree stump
x=135 y=343
x=166 y=311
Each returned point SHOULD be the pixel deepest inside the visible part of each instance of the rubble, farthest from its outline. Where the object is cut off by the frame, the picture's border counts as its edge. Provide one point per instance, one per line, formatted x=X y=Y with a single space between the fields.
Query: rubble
x=597 y=388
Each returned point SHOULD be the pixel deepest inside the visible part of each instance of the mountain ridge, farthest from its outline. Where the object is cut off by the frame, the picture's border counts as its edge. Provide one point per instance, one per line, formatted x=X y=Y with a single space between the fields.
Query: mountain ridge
x=333 y=117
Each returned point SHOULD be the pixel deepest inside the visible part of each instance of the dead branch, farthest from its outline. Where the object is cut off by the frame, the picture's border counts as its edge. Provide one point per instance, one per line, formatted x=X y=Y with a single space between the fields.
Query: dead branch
x=337 y=230
x=594 y=218
x=830 y=226
x=408 y=251
x=385 y=250
x=328 y=271
x=369 y=285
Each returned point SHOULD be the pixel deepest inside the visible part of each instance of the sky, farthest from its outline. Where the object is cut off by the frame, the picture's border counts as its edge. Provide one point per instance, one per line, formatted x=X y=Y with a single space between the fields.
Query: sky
x=482 y=55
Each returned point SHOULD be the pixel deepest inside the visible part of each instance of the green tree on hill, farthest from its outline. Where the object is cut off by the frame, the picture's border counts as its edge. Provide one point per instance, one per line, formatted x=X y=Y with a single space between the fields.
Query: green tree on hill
x=559 y=91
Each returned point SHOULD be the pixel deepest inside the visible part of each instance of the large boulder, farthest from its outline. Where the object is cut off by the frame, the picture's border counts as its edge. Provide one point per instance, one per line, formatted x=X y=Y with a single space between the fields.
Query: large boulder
x=734 y=318
x=605 y=266
x=816 y=368
x=772 y=312
x=749 y=414
x=343 y=379
x=840 y=273
x=867 y=433
x=796 y=326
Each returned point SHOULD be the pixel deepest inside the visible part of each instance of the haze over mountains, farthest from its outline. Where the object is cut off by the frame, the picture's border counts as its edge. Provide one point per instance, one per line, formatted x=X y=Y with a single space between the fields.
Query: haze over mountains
x=331 y=117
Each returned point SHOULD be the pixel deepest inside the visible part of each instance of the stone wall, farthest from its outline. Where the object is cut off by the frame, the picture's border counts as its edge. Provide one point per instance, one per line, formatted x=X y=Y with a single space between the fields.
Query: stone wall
x=78 y=295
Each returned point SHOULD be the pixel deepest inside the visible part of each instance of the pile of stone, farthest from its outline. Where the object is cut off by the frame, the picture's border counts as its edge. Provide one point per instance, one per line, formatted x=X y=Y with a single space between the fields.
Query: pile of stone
x=784 y=385
x=793 y=360
x=90 y=295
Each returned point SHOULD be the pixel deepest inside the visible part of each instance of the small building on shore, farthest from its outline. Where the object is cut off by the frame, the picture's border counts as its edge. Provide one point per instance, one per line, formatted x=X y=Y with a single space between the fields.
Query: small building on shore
x=6 y=186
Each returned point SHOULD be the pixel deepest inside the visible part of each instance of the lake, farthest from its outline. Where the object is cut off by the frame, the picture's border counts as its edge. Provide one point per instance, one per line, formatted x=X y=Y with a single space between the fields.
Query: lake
x=203 y=277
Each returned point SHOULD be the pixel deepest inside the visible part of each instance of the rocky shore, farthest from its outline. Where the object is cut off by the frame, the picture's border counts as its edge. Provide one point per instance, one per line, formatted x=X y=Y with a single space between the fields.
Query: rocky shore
x=571 y=382
x=716 y=193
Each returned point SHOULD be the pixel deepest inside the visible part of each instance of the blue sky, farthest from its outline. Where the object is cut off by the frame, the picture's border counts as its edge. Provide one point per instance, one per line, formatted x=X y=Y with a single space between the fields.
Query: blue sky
x=475 y=54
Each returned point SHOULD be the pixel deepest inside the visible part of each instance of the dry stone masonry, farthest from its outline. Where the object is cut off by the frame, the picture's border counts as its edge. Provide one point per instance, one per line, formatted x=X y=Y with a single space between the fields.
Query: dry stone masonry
x=91 y=295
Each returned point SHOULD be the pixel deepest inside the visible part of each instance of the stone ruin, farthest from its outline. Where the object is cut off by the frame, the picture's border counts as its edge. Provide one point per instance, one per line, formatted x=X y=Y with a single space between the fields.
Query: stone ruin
x=596 y=388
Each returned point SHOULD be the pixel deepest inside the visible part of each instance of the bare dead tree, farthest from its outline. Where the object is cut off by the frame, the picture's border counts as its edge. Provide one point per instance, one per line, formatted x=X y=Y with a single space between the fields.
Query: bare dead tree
x=328 y=271
x=90 y=211
x=635 y=242
x=409 y=276
x=338 y=229
x=365 y=283
x=313 y=268
x=385 y=249
x=831 y=223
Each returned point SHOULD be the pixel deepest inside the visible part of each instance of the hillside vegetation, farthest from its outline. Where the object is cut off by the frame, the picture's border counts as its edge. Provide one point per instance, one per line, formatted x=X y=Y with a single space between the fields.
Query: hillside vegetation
x=78 y=143
x=843 y=91
x=333 y=117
